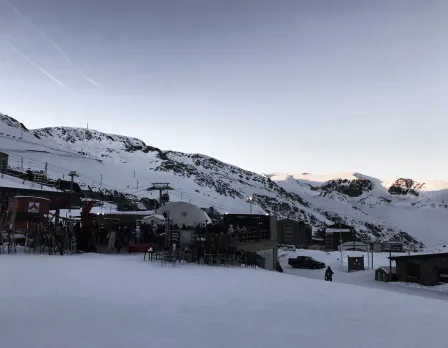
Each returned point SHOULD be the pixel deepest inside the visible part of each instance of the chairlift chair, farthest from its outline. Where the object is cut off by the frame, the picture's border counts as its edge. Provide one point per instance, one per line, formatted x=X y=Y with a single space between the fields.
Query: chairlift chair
x=165 y=198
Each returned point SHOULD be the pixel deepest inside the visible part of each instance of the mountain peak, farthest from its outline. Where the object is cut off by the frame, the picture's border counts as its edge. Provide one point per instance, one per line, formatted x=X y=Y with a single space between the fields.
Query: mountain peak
x=82 y=139
x=12 y=122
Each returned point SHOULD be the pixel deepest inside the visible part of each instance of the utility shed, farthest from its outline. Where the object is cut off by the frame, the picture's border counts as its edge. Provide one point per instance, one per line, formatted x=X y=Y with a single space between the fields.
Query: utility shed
x=425 y=269
x=386 y=274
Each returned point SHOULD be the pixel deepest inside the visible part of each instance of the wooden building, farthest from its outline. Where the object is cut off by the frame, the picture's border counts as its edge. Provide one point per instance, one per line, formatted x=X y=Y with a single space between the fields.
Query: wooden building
x=386 y=274
x=59 y=199
x=24 y=211
x=425 y=269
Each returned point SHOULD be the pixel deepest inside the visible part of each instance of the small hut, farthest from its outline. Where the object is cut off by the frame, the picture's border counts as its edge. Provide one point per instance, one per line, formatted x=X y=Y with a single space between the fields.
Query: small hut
x=386 y=274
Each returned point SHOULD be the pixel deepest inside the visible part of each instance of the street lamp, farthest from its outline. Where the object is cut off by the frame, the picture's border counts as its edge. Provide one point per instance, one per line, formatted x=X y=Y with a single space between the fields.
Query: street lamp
x=250 y=199
x=340 y=243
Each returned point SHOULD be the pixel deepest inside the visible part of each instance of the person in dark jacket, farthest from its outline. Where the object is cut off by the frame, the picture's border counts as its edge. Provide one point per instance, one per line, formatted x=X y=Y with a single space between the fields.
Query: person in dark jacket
x=120 y=239
x=279 y=267
x=329 y=274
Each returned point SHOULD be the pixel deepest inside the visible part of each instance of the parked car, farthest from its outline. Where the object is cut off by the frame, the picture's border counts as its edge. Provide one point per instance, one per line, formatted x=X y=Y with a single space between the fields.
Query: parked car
x=305 y=262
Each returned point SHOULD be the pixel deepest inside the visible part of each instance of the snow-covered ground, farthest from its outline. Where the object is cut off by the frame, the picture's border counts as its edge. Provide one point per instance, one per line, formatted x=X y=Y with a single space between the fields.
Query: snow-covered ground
x=363 y=278
x=103 y=301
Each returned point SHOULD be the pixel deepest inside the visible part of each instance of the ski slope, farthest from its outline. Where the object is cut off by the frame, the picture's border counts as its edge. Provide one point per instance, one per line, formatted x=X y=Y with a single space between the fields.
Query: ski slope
x=103 y=301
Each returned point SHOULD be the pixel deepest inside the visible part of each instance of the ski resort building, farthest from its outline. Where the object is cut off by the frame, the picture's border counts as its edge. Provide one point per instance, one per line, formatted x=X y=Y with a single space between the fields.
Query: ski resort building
x=25 y=212
x=354 y=246
x=11 y=186
x=426 y=269
x=256 y=233
x=336 y=233
x=293 y=232
x=59 y=199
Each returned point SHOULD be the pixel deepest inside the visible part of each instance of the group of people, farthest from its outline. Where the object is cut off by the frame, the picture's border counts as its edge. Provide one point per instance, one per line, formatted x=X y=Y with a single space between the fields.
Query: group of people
x=116 y=238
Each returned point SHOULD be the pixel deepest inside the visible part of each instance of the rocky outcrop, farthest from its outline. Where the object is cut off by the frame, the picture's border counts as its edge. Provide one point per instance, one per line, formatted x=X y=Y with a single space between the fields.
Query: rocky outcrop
x=351 y=188
x=12 y=122
x=404 y=187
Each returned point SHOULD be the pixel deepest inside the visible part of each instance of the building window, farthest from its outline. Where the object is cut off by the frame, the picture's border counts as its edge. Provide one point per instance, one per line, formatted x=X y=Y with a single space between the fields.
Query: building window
x=443 y=275
x=287 y=234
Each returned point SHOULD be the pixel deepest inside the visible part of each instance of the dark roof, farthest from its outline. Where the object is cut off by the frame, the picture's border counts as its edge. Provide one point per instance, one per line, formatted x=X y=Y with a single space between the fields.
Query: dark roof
x=419 y=256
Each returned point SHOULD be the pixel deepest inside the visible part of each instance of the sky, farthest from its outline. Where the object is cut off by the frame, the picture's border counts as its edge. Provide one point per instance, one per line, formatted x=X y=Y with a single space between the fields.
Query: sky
x=271 y=86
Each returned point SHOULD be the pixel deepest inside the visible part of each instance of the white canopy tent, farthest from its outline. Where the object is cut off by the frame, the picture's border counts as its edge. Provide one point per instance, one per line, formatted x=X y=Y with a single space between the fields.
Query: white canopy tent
x=185 y=213
x=158 y=219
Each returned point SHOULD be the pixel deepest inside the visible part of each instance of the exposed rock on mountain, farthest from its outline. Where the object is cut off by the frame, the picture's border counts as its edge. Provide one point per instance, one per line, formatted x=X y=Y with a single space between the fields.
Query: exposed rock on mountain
x=351 y=188
x=404 y=187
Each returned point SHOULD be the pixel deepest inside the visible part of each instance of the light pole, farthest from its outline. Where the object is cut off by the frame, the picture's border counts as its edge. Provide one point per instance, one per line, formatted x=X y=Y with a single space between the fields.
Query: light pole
x=340 y=243
x=250 y=199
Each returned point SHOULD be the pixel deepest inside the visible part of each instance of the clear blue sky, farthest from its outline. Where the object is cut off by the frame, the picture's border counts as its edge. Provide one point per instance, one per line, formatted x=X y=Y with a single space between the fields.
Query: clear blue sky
x=271 y=86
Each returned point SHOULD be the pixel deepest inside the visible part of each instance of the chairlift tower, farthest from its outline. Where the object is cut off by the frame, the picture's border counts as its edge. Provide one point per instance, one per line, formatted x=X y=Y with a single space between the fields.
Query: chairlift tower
x=160 y=186
x=72 y=174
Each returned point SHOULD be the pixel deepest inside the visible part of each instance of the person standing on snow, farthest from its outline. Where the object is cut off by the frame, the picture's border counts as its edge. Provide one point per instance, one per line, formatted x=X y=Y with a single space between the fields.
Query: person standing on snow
x=120 y=239
x=112 y=236
x=329 y=274
x=279 y=267
x=138 y=233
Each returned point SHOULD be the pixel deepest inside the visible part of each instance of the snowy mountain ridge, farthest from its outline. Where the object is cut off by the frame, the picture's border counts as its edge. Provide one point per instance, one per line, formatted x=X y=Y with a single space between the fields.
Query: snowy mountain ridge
x=419 y=186
x=76 y=137
x=401 y=209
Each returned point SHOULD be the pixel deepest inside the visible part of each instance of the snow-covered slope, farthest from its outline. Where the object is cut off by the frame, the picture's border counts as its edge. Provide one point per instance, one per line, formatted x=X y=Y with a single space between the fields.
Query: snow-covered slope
x=127 y=164
x=416 y=207
x=104 y=301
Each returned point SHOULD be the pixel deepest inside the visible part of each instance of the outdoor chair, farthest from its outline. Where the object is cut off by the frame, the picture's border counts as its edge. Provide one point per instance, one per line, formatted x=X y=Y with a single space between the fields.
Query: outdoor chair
x=154 y=255
x=208 y=259
x=169 y=257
